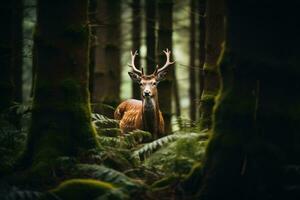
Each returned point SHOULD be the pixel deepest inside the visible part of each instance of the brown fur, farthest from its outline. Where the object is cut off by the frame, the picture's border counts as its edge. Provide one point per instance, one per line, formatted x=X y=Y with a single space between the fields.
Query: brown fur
x=130 y=113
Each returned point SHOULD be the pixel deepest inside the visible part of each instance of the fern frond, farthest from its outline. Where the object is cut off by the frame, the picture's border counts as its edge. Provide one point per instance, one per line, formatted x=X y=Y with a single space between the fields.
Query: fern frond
x=103 y=120
x=17 y=194
x=152 y=146
x=103 y=173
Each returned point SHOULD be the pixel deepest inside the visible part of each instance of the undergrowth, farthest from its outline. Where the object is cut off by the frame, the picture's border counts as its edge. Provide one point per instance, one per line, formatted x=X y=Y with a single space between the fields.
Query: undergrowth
x=137 y=165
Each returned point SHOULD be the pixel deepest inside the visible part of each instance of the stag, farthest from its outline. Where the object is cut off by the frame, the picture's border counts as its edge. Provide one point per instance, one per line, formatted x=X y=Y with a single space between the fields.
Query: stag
x=144 y=114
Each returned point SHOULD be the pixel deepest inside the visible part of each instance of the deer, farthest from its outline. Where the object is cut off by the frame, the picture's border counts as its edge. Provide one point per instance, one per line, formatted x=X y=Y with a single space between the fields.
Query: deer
x=143 y=114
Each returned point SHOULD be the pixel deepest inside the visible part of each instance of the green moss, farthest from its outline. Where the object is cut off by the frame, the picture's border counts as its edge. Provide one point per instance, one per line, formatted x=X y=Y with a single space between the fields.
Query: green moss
x=192 y=181
x=82 y=189
x=210 y=69
x=164 y=183
x=62 y=124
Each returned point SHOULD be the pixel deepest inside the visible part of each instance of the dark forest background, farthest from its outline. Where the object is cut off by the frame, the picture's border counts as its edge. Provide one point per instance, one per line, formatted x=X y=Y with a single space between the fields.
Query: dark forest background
x=231 y=101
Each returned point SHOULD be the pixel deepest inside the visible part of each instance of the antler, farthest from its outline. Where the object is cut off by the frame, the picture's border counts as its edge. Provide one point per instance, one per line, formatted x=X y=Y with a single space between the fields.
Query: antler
x=132 y=65
x=168 y=62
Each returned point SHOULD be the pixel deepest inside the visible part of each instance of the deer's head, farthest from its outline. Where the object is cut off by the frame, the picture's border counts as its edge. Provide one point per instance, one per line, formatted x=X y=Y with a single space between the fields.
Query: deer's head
x=148 y=83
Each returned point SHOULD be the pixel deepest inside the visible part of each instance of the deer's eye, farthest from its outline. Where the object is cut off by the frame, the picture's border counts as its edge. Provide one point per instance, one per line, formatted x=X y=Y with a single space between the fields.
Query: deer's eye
x=141 y=84
x=154 y=83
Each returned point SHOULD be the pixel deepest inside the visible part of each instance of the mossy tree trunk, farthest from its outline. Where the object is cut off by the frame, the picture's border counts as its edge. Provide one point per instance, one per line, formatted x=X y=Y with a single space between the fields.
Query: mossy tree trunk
x=165 y=20
x=150 y=34
x=192 y=57
x=6 y=75
x=213 y=44
x=112 y=53
x=61 y=115
x=256 y=120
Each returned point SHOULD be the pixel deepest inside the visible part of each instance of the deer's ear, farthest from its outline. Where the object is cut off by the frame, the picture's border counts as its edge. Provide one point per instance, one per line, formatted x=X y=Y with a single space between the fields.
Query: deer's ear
x=135 y=77
x=161 y=76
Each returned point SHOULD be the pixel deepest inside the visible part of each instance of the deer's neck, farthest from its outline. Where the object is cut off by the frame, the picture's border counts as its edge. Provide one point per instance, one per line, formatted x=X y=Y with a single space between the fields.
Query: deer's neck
x=150 y=115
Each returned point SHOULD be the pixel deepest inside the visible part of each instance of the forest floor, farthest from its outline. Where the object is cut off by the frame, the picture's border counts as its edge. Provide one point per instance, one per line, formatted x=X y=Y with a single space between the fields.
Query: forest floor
x=134 y=166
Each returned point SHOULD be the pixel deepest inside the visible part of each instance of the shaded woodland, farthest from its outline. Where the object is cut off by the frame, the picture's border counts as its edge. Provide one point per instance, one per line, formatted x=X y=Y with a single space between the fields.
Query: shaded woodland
x=149 y=99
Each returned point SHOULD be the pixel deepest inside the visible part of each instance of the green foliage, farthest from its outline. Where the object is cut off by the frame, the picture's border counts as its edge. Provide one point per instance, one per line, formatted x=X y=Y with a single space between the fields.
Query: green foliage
x=101 y=121
x=12 y=139
x=83 y=189
x=179 y=156
x=148 y=148
x=106 y=174
x=110 y=134
x=8 y=192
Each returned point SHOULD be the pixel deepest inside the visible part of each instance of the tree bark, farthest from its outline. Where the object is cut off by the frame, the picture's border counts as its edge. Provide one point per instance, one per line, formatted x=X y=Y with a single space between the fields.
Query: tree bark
x=136 y=41
x=17 y=49
x=100 y=71
x=165 y=20
x=256 y=119
x=93 y=42
x=112 y=53
x=150 y=35
x=213 y=46
x=201 y=55
x=61 y=115
x=108 y=58
x=6 y=43
x=192 y=67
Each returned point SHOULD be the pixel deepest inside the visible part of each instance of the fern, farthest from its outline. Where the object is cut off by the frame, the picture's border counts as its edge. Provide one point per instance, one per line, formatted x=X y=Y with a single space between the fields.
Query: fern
x=12 y=142
x=14 y=193
x=148 y=148
x=101 y=121
x=128 y=141
x=180 y=155
x=103 y=173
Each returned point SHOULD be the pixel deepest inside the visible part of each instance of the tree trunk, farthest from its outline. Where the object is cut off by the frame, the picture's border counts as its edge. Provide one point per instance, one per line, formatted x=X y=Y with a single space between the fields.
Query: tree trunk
x=108 y=59
x=93 y=42
x=150 y=35
x=165 y=8
x=256 y=120
x=6 y=43
x=192 y=67
x=213 y=45
x=201 y=46
x=136 y=41
x=112 y=53
x=100 y=71
x=61 y=115
x=176 y=98
x=17 y=53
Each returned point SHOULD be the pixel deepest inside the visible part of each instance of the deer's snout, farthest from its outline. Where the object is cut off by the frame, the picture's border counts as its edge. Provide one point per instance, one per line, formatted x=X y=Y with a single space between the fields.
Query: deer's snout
x=147 y=93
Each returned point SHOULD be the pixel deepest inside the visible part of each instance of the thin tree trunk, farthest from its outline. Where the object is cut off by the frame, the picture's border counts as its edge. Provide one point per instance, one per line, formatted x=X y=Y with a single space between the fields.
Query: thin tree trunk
x=100 y=71
x=192 y=67
x=136 y=41
x=150 y=35
x=213 y=46
x=17 y=53
x=201 y=46
x=176 y=98
x=112 y=54
x=92 y=22
x=165 y=20
x=61 y=115
x=6 y=75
